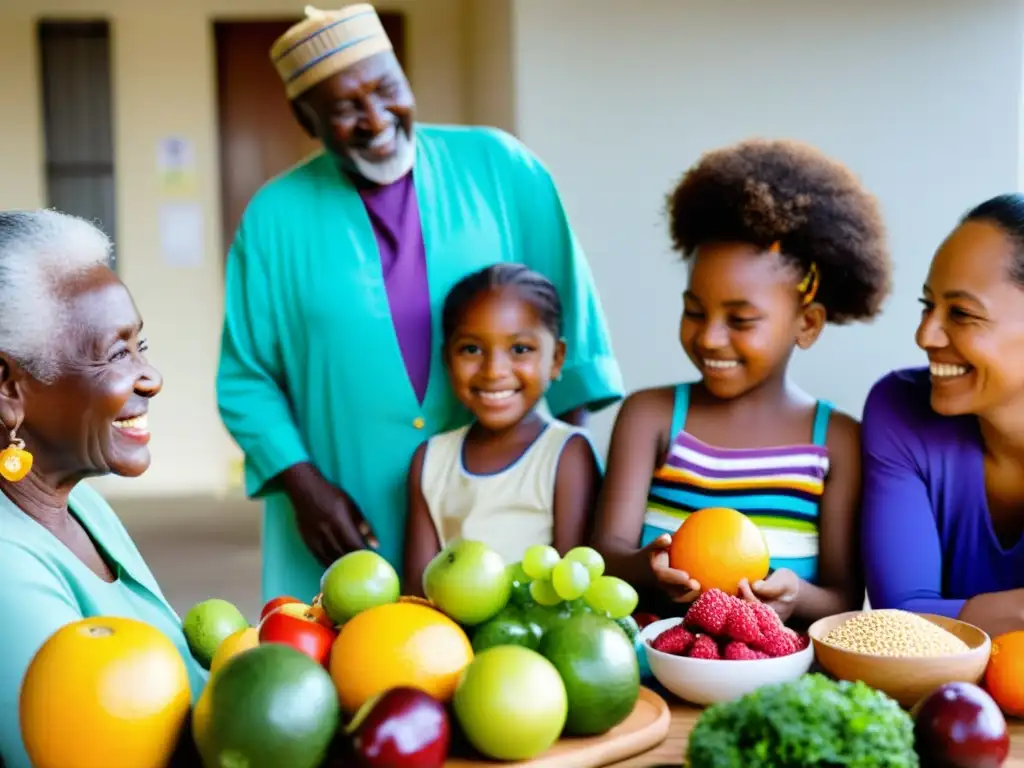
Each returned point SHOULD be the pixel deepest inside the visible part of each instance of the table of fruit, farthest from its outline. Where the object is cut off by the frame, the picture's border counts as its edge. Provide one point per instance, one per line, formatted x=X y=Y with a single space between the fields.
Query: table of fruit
x=543 y=663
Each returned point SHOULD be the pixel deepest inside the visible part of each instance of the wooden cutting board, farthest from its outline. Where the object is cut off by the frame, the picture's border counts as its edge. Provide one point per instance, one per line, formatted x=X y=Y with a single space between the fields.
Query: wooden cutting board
x=644 y=729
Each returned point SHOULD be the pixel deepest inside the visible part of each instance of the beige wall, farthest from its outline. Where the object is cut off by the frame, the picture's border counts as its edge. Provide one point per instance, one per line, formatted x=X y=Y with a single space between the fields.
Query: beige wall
x=164 y=85
x=922 y=98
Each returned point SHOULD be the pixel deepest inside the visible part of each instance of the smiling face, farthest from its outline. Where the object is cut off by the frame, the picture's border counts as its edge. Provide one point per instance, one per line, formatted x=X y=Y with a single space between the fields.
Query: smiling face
x=972 y=323
x=501 y=358
x=364 y=117
x=92 y=419
x=742 y=317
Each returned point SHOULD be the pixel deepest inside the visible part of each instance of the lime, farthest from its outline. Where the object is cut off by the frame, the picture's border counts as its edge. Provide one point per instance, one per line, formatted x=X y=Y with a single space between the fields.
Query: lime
x=598 y=665
x=539 y=559
x=208 y=624
x=630 y=627
x=507 y=628
x=510 y=703
x=268 y=707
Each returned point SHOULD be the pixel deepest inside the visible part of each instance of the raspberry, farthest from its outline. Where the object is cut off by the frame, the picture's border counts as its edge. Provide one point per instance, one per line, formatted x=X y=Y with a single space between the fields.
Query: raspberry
x=742 y=624
x=675 y=640
x=710 y=611
x=777 y=645
x=799 y=641
x=767 y=619
x=704 y=647
x=738 y=651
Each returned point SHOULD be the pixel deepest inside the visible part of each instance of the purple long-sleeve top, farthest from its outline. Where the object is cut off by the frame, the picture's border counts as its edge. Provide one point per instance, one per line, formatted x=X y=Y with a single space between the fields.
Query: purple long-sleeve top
x=928 y=542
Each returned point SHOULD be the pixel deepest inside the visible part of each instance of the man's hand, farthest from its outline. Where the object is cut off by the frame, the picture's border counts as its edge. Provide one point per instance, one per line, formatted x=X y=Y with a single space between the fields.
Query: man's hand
x=328 y=519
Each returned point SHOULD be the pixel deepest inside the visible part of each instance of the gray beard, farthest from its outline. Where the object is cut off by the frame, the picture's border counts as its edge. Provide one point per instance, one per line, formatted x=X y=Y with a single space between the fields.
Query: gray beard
x=384 y=172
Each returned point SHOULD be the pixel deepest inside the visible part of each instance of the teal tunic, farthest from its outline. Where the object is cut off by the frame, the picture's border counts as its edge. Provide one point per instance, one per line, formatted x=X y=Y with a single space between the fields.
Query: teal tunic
x=311 y=368
x=44 y=587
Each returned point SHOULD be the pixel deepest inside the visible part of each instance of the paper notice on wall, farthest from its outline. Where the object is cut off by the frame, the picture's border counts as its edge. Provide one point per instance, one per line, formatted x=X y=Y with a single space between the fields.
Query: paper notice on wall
x=181 y=234
x=176 y=167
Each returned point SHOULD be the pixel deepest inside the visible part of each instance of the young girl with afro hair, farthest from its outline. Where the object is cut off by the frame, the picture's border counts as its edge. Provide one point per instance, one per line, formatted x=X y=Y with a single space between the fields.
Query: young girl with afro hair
x=779 y=240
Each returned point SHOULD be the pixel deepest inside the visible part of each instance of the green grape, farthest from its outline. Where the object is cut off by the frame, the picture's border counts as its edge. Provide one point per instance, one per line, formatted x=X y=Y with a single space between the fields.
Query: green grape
x=544 y=594
x=538 y=560
x=570 y=579
x=611 y=596
x=590 y=558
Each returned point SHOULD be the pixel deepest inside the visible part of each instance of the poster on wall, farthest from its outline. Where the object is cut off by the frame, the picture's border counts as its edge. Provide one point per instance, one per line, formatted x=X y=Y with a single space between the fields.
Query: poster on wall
x=180 y=214
x=176 y=168
x=181 y=233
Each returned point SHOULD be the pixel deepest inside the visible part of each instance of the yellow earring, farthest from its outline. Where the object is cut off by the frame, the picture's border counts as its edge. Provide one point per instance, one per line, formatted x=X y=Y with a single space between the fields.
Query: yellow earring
x=15 y=461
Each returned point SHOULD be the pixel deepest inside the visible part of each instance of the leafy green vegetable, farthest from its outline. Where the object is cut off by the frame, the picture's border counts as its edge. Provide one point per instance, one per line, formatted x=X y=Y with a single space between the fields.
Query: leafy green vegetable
x=811 y=721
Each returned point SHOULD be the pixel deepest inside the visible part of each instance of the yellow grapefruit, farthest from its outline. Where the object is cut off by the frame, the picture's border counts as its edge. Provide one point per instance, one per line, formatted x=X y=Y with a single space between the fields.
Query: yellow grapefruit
x=104 y=691
x=398 y=644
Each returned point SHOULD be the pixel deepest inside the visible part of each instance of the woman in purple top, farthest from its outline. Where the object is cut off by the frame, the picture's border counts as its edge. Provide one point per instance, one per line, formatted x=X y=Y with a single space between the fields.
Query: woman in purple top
x=943 y=502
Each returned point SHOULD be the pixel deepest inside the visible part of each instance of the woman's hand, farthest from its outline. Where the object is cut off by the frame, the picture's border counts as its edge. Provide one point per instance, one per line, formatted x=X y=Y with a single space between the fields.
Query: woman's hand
x=779 y=592
x=675 y=583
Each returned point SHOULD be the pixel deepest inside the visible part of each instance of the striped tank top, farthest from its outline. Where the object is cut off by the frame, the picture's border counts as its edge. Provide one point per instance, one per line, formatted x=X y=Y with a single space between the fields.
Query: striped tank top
x=778 y=488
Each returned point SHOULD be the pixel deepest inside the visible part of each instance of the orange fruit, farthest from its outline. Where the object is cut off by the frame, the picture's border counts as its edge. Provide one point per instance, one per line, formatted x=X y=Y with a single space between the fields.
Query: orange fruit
x=398 y=644
x=115 y=690
x=718 y=547
x=1004 y=676
x=232 y=645
x=416 y=600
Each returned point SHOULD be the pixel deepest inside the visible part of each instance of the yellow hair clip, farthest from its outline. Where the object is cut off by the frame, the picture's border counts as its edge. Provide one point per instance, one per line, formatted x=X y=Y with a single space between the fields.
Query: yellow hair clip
x=809 y=285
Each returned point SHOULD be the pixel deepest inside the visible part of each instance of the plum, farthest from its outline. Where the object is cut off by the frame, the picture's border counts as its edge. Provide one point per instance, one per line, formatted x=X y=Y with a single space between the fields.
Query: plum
x=958 y=725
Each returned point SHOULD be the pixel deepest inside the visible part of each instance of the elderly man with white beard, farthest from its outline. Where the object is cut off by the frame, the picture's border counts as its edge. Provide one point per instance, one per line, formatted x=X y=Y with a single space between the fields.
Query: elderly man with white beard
x=331 y=373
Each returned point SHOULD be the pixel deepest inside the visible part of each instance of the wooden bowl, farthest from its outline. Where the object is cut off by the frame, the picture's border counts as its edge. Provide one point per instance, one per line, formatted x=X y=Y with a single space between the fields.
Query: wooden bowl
x=905 y=678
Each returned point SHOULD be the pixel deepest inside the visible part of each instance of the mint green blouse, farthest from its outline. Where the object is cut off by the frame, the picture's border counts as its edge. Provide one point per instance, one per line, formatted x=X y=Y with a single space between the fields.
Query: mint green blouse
x=43 y=586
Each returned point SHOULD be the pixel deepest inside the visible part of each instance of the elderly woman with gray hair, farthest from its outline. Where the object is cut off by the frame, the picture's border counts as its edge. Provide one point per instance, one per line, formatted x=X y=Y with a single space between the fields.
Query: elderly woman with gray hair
x=75 y=388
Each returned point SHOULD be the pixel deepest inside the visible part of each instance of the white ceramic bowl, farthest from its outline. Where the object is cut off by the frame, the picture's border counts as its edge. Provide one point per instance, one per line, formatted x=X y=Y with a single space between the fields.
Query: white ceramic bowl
x=703 y=681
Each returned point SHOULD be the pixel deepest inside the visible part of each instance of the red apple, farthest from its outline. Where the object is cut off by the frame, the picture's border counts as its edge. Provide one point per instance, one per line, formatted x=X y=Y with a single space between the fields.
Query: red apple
x=303 y=611
x=958 y=725
x=401 y=727
x=302 y=631
x=277 y=602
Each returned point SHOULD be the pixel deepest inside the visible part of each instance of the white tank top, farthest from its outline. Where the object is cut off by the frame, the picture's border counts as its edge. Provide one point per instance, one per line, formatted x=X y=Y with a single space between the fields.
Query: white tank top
x=508 y=510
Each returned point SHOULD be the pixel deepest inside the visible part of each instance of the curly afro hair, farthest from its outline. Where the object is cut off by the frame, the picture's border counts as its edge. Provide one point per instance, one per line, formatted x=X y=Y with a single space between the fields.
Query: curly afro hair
x=762 y=192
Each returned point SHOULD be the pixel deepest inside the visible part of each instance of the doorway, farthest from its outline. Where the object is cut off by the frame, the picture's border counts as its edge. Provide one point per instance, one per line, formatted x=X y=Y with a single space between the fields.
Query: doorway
x=258 y=135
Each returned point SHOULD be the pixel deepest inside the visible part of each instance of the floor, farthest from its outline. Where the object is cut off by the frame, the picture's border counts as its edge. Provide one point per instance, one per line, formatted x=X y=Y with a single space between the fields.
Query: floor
x=199 y=547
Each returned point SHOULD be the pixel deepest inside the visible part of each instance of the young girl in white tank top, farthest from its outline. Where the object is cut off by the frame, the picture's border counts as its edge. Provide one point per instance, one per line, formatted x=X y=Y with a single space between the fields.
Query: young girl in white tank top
x=514 y=476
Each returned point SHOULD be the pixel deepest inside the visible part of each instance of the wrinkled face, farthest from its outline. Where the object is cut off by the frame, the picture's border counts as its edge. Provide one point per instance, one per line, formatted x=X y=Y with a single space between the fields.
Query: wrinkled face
x=501 y=358
x=93 y=418
x=972 y=323
x=364 y=117
x=742 y=316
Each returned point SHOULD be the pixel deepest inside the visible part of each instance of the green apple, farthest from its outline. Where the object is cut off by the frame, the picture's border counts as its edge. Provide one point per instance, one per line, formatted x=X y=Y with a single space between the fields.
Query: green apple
x=358 y=581
x=468 y=581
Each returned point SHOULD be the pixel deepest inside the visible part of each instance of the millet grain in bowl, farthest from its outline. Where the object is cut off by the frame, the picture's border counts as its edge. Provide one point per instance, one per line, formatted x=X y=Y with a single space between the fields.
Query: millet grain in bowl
x=890 y=632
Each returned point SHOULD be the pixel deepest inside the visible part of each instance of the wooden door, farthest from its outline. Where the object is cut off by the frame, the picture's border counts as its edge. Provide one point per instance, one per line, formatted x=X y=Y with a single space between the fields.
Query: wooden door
x=259 y=137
